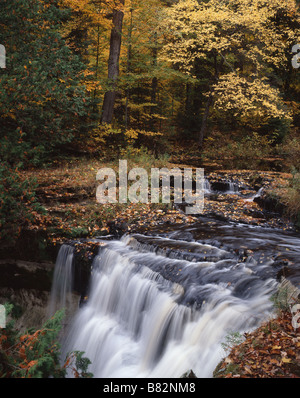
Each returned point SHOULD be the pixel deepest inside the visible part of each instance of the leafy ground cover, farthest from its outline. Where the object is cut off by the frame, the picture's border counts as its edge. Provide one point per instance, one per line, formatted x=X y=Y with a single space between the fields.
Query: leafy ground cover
x=271 y=351
x=68 y=194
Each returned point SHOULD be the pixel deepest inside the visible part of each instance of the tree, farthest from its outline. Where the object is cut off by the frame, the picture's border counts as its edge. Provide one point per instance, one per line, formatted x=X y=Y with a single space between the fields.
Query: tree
x=43 y=103
x=37 y=354
x=143 y=83
x=113 y=64
x=242 y=45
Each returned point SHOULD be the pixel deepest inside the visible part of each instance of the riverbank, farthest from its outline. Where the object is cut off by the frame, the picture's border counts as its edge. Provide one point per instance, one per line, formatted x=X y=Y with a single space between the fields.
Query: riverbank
x=68 y=194
x=271 y=351
x=72 y=213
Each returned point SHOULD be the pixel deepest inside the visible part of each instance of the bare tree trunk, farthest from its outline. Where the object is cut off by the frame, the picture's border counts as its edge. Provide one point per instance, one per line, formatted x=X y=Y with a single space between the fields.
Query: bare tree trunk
x=209 y=102
x=97 y=63
x=204 y=120
x=154 y=84
x=129 y=53
x=113 y=66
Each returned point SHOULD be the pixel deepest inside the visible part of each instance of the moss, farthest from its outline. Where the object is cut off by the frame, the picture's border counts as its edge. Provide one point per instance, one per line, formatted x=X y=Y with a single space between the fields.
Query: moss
x=230 y=369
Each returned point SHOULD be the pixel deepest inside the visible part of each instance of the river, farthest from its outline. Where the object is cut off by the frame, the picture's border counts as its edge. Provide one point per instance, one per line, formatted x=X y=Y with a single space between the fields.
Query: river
x=164 y=302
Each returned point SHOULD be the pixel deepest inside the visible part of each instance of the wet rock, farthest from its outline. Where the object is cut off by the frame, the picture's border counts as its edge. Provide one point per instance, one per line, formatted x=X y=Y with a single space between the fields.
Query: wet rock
x=30 y=306
x=270 y=204
x=189 y=375
x=290 y=273
x=182 y=235
x=117 y=229
x=19 y=274
x=256 y=213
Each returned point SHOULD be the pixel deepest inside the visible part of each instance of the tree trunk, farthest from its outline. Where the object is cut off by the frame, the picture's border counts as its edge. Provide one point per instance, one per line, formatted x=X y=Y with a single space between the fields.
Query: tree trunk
x=129 y=51
x=113 y=66
x=209 y=102
x=154 y=87
x=204 y=120
x=154 y=80
x=97 y=64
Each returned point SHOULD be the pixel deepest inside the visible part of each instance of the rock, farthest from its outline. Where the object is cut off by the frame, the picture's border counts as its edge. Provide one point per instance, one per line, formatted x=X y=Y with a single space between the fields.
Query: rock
x=182 y=235
x=189 y=375
x=30 y=306
x=27 y=286
x=19 y=274
x=271 y=204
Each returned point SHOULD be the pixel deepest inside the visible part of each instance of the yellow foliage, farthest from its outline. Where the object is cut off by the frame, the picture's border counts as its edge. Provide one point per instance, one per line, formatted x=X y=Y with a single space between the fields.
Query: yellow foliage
x=252 y=100
x=245 y=37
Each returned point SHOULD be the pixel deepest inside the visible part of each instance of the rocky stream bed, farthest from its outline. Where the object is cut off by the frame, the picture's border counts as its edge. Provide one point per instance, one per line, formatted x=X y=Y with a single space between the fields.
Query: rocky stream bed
x=240 y=206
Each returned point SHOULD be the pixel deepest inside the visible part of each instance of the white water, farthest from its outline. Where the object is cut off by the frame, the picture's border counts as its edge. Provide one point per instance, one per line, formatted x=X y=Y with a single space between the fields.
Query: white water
x=232 y=188
x=207 y=186
x=257 y=195
x=62 y=280
x=137 y=323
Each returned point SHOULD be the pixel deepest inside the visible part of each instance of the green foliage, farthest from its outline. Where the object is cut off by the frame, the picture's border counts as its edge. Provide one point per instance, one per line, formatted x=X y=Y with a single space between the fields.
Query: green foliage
x=43 y=353
x=290 y=150
x=231 y=340
x=42 y=101
x=292 y=197
x=18 y=203
x=248 y=151
x=78 y=364
x=36 y=354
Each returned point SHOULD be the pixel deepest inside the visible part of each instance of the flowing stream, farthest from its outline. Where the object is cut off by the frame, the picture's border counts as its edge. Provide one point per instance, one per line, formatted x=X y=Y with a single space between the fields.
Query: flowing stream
x=163 y=303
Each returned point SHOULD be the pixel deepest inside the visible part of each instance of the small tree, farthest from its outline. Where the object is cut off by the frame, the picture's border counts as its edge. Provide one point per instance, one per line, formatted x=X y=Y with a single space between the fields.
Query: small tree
x=242 y=46
x=43 y=103
x=36 y=354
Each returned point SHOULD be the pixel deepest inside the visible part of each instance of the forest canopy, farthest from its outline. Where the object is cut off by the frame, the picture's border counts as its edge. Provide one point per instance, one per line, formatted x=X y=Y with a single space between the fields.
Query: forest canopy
x=113 y=78
x=83 y=73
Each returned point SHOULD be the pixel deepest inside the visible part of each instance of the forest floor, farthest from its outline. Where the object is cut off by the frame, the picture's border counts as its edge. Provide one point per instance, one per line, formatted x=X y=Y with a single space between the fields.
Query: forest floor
x=271 y=351
x=68 y=193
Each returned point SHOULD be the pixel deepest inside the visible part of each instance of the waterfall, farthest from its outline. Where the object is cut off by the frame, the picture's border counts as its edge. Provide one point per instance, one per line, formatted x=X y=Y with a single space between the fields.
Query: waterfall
x=232 y=188
x=151 y=313
x=62 y=284
x=258 y=194
x=207 y=186
x=228 y=187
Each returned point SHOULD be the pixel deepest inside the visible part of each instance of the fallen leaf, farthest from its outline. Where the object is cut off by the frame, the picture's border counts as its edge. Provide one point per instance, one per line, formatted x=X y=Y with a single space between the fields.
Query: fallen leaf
x=286 y=360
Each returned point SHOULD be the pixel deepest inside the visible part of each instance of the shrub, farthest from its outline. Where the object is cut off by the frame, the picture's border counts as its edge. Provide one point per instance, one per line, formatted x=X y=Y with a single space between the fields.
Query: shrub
x=36 y=354
x=243 y=152
x=18 y=203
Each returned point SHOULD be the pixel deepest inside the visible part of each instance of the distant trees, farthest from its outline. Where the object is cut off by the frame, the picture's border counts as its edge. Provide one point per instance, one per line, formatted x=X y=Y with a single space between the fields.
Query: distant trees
x=79 y=72
x=237 y=52
x=43 y=103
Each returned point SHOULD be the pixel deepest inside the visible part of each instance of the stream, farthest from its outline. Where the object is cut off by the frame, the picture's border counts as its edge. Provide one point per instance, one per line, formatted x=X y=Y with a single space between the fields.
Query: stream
x=163 y=302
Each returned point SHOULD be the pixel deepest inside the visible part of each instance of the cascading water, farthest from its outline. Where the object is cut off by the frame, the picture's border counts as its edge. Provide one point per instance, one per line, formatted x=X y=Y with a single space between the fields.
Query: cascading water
x=227 y=187
x=62 y=284
x=232 y=188
x=158 y=307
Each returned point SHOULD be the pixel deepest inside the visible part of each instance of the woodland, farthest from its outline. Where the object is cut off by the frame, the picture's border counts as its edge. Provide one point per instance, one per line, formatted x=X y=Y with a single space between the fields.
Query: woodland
x=204 y=83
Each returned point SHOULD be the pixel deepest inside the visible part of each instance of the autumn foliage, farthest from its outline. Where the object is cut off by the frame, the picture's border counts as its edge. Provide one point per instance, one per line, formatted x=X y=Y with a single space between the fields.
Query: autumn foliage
x=271 y=351
x=36 y=354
